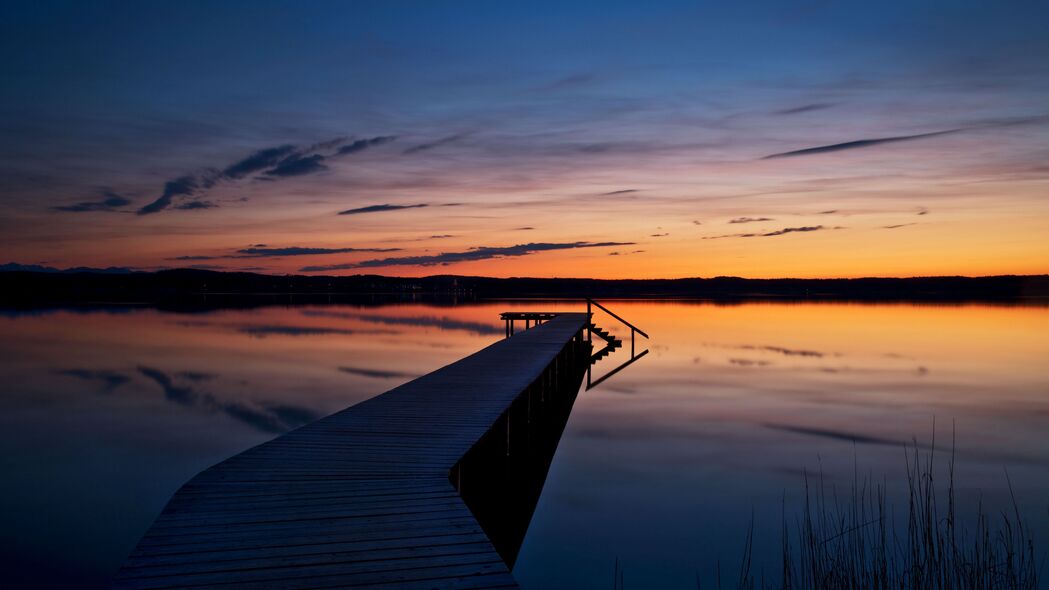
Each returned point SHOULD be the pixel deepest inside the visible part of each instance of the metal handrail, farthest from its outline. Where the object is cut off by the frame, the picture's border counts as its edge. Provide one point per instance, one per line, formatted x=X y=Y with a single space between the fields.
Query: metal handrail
x=611 y=313
x=590 y=385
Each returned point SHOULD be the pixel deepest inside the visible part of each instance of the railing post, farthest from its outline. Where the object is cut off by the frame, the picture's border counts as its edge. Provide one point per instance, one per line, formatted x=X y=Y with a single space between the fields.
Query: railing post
x=589 y=320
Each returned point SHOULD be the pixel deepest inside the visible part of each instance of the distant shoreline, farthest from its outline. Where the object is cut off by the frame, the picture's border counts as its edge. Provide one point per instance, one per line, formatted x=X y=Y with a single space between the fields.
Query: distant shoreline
x=27 y=288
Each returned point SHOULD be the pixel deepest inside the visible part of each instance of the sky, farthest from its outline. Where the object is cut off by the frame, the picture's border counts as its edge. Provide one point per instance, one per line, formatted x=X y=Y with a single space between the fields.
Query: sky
x=553 y=139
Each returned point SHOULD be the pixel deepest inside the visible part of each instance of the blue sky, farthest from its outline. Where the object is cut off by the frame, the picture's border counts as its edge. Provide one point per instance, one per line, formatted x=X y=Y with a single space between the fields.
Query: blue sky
x=526 y=115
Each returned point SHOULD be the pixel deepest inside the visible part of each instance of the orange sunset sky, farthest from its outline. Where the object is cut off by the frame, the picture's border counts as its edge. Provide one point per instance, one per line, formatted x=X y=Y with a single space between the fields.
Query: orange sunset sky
x=628 y=142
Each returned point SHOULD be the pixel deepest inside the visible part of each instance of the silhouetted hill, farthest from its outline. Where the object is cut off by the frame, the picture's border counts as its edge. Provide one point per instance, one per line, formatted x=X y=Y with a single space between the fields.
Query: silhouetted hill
x=30 y=288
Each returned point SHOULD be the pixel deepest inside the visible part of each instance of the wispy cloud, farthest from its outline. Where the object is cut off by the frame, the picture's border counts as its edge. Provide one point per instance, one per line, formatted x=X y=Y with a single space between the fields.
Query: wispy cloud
x=273 y=163
x=260 y=160
x=181 y=186
x=267 y=418
x=264 y=251
x=785 y=351
x=195 y=205
x=480 y=253
x=839 y=435
x=363 y=144
x=297 y=165
x=442 y=322
x=620 y=192
x=750 y=219
x=788 y=230
x=264 y=330
x=110 y=202
x=898 y=225
x=860 y=143
x=377 y=373
x=433 y=144
x=808 y=108
x=257 y=252
x=109 y=380
x=567 y=82
x=380 y=208
x=779 y=232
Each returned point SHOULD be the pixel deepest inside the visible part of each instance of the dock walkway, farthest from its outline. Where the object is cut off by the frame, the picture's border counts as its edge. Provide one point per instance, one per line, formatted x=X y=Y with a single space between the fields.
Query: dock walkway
x=365 y=498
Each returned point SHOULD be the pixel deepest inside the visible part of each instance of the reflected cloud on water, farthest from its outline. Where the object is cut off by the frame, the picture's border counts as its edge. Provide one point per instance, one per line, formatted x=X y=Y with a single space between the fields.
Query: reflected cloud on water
x=442 y=322
x=266 y=418
x=108 y=411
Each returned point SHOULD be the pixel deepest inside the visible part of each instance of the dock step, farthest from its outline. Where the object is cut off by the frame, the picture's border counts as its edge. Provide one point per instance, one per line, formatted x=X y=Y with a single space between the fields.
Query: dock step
x=604 y=334
x=607 y=350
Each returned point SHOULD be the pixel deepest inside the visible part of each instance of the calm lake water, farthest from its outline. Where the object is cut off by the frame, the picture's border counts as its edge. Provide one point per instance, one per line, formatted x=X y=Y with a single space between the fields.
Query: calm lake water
x=104 y=413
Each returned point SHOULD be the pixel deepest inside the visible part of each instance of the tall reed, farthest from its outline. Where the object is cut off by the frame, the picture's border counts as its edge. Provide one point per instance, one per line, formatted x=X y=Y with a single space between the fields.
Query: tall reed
x=855 y=543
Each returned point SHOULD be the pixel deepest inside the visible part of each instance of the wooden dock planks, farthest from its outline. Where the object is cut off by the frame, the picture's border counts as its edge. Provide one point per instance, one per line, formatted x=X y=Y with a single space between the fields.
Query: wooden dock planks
x=360 y=499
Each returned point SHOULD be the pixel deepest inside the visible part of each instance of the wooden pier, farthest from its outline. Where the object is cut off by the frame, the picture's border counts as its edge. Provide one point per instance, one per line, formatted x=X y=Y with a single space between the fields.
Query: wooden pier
x=377 y=495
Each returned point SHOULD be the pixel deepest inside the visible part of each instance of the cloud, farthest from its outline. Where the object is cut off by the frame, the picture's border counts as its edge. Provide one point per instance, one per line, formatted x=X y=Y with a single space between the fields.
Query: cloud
x=897 y=226
x=378 y=208
x=376 y=373
x=207 y=267
x=197 y=257
x=620 y=192
x=263 y=330
x=273 y=418
x=194 y=205
x=779 y=232
x=860 y=143
x=567 y=82
x=256 y=252
x=433 y=144
x=696 y=222
x=749 y=363
x=835 y=435
x=441 y=322
x=283 y=161
x=786 y=351
x=260 y=160
x=363 y=144
x=264 y=251
x=109 y=202
x=109 y=380
x=750 y=219
x=808 y=108
x=788 y=230
x=480 y=253
x=298 y=165
x=663 y=235
x=525 y=228
x=922 y=211
x=197 y=376
x=181 y=186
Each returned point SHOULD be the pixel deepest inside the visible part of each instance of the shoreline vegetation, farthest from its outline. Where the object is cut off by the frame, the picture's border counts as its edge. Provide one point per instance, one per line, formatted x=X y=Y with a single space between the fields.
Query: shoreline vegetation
x=34 y=287
x=853 y=541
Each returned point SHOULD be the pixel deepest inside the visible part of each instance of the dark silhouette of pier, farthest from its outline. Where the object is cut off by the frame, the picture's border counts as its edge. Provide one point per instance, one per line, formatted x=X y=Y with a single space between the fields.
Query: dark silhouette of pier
x=429 y=485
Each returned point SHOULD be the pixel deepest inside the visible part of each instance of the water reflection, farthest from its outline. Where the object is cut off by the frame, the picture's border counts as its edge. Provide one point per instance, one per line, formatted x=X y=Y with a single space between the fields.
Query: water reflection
x=502 y=476
x=665 y=466
x=105 y=412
